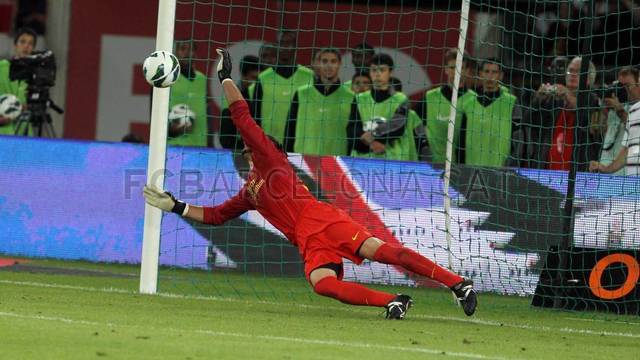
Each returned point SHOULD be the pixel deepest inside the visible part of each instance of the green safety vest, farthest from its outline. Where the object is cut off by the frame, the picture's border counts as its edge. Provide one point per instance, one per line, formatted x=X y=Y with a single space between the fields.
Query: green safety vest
x=412 y=123
x=488 y=133
x=17 y=88
x=277 y=93
x=192 y=93
x=438 y=111
x=251 y=89
x=321 y=121
x=347 y=85
x=403 y=148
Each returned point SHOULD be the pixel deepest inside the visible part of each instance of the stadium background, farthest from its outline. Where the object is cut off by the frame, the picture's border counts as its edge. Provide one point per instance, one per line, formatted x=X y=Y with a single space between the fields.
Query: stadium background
x=78 y=201
x=106 y=44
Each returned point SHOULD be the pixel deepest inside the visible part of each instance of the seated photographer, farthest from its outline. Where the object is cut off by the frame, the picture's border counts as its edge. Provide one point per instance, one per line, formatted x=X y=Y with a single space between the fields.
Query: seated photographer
x=24 y=42
x=626 y=159
x=618 y=97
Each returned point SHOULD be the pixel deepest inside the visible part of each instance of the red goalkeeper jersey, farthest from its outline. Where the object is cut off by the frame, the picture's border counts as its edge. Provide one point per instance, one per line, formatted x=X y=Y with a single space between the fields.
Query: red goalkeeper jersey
x=272 y=187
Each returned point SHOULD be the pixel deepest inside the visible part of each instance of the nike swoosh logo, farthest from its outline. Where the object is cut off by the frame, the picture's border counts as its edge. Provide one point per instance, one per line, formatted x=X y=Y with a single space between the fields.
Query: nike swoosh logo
x=355 y=236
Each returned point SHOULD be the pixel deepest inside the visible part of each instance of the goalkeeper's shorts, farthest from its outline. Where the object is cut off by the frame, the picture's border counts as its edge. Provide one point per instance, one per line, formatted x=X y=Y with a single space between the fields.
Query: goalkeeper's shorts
x=327 y=234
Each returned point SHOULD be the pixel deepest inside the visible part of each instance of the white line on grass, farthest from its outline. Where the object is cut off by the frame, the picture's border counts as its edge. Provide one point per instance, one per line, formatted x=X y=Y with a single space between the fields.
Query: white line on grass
x=530 y=327
x=603 y=321
x=431 y=317
x=335 y=343
x=51 y=318
x=353 y=344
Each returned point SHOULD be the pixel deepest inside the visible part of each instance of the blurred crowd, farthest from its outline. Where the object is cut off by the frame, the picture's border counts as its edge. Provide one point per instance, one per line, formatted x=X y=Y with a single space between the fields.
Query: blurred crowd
x=560 y=29
x=310 y=110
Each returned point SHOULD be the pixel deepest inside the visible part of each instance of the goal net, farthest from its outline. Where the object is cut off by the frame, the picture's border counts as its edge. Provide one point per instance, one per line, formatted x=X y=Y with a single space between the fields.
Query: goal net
x=517 y=211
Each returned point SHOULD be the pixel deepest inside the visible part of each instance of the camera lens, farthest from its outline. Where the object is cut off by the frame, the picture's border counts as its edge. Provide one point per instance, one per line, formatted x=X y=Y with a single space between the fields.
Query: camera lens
x=621 y=93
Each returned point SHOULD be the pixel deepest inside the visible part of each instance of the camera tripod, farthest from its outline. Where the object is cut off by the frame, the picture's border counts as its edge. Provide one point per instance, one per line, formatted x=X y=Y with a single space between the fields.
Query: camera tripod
x=36 y=121
x=30 y=124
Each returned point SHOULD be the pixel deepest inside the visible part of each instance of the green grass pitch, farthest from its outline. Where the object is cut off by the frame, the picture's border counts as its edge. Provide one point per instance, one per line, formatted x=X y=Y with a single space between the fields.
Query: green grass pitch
x=79 y=315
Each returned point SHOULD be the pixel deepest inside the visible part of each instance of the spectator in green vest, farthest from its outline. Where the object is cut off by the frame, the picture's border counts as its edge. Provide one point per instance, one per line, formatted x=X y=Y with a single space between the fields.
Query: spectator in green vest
x=361 y=82
x=190 y=90
x=272 y=93
x=320 y=112
x=435 y=107
x=249 y=71
x=381 y=124
x=24 y=42
x=267 y=56
x=361 y=55
x=488 y=121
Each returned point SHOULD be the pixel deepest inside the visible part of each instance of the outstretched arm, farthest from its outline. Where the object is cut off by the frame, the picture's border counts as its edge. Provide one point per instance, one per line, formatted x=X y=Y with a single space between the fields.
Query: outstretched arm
x=230 y=209
x=231 y=91
x=251 y=133
x=216 y=215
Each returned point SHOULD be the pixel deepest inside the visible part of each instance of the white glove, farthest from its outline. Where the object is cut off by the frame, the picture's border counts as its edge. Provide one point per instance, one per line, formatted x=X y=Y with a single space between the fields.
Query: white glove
x=163 y=200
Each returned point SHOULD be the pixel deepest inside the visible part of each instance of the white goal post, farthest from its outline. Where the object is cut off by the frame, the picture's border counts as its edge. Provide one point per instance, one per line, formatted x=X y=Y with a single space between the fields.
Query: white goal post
x=157 y=155
x=464 y=24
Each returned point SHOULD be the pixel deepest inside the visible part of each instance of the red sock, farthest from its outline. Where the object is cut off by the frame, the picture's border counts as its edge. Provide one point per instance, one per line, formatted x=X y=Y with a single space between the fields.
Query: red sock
x=351 y=293
x=412 y=261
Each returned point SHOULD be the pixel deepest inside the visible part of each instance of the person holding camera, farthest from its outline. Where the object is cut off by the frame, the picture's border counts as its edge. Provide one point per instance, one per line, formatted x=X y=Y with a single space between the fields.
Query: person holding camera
x=627 y=158
x=24 y=43
x=553 y=120
x=616 y=100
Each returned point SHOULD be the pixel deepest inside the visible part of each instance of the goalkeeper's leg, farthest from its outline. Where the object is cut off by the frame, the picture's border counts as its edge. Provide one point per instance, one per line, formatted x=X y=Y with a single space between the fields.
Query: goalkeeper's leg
x=396 y=254
x=325 y=282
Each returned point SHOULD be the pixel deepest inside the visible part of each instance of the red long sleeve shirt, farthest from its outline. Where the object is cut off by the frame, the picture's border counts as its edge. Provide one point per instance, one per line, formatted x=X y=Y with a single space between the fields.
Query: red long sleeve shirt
x=272 y=187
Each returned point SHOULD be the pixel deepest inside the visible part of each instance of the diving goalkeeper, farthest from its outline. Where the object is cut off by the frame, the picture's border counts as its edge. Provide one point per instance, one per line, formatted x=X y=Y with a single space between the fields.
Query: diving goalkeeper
x=322 y=233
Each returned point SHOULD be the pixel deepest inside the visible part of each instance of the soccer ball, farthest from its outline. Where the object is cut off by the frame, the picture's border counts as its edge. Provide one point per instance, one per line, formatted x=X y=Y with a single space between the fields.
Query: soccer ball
x=373 y=124
x=181 y=116
x=10 y=106
x=161 y=69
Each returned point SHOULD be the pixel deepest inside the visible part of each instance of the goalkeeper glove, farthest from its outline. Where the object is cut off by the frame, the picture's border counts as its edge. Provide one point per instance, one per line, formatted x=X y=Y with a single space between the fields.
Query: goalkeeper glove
x=164 y=200
x=224 y=65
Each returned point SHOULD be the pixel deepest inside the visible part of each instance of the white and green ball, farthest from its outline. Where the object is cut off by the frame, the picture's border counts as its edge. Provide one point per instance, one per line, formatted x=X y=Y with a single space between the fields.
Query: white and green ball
x=161 y=69
x=10 y=106
x=181 y=116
